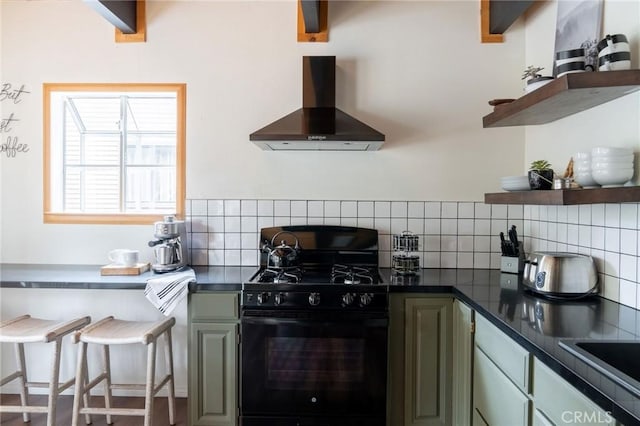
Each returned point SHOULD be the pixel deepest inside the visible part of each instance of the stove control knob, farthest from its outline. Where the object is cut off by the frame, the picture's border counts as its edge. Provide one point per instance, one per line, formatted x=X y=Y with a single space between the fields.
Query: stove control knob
x=314 y=299
x=279 y=298
x=348 y=298
x=366 y=298
x=262 y=298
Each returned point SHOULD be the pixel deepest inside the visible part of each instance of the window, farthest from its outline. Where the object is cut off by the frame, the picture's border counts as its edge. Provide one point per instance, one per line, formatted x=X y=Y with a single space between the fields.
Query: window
x=113 y=153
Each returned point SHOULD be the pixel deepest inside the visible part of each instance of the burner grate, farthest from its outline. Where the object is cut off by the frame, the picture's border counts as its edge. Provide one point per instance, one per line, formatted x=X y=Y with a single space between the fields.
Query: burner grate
x=280 y=276
x=346 y=274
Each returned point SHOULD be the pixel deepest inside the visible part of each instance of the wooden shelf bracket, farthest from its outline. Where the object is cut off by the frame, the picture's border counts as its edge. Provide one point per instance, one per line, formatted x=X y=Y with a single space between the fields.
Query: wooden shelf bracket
x=312 y=20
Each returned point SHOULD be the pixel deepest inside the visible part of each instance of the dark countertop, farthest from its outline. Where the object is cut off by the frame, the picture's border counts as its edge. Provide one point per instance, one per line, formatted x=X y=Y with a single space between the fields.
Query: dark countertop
x=498 y=297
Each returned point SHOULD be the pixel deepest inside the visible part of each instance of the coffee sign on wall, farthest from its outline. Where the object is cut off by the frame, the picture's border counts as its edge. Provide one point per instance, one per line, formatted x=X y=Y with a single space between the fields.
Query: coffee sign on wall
x=11 y=95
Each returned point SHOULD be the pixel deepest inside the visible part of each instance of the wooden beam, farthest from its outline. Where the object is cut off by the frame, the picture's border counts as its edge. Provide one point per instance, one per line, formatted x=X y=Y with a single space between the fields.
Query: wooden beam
x=140 y=36
x=485 y=24
x=319 y=8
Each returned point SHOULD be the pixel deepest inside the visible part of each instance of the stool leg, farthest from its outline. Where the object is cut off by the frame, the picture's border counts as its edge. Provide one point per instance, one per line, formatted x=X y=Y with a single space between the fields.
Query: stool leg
x=87 y=393
x=171 y=385
x=24 y=393
x=151 y=375
x=107 y=381
x=81 y=379
x=54 y=382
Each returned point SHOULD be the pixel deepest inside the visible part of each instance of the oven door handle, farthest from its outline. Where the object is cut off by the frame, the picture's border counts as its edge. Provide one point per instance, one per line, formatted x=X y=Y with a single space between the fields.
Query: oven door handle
x=366 y=322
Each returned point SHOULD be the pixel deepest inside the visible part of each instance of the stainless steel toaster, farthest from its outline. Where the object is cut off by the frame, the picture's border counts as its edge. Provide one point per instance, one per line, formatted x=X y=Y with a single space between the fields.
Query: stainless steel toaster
x=560 y=274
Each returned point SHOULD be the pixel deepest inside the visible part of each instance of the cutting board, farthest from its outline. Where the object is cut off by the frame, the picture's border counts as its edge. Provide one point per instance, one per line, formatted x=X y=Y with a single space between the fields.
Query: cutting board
x=124 y=270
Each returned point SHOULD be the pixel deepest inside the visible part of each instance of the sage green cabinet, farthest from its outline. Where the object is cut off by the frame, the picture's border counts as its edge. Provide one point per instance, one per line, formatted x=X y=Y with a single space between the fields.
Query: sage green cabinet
x=462 y=363
x=213 y=359
x=501 y=378
x=556 y=402
x=420 y=360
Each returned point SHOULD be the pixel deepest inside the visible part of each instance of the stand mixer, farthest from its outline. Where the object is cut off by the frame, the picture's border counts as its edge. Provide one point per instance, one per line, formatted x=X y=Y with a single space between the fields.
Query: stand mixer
x=169 y=245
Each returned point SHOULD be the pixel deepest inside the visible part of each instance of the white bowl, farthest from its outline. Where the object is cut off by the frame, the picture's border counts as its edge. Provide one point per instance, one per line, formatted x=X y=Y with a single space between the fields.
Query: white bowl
x=612 y=165
x=515 y=183
x=516 y=187
x=610 y=150
x=585 y=180
x=612 y=177
x=582 y=156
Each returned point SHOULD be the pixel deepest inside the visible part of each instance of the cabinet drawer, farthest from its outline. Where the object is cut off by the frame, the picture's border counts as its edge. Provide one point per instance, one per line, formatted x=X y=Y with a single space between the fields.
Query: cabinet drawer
x=497 y=401
x=214 y=306
x=510 y=357
x=561 y=403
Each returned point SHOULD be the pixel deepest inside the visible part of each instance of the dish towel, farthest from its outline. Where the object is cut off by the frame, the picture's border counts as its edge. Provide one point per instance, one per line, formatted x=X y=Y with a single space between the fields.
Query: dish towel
x=167 y=290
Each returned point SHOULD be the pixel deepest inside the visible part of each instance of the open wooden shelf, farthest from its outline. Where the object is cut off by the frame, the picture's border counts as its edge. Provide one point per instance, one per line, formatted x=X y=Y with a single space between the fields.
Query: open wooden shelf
x=564 y=96
x=622 y=194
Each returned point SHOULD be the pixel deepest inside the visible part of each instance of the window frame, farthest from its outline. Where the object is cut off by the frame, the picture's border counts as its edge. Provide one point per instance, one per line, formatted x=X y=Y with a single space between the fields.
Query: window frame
x=179 y=89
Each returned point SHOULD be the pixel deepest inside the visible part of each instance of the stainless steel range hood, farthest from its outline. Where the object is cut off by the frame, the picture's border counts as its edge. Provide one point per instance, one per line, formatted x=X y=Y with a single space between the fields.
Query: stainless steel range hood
x=318 y=125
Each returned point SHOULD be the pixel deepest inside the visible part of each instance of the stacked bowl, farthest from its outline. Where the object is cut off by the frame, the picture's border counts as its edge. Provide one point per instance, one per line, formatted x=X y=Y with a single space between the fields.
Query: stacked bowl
x=515 y=183
x=611 y=166
x=582 y=170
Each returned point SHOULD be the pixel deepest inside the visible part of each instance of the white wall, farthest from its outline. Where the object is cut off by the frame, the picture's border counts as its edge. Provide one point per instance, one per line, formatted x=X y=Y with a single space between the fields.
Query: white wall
x=615 y=123
x=414 y=70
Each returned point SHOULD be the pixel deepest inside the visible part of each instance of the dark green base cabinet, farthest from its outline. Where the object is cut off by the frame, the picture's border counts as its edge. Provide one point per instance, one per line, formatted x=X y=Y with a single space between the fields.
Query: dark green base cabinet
x=213 y=359
x=420 y=360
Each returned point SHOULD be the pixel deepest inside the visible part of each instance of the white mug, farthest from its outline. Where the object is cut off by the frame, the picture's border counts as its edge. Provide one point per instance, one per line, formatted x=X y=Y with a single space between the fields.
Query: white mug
x=124 y=257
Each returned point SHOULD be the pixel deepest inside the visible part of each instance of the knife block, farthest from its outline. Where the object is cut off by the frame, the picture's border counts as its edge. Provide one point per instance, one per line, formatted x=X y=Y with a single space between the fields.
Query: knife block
x=512 y=264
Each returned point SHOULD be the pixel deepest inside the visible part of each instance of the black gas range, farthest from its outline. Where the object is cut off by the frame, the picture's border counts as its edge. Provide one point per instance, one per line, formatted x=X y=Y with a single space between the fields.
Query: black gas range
x=314 y=321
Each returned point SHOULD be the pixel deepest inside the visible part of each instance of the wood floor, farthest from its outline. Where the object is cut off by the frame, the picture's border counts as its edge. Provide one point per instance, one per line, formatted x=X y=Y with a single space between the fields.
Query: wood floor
x=65 y=404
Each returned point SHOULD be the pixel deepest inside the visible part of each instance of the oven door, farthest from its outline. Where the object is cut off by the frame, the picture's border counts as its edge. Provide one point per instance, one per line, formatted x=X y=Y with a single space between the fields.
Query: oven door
x=301 y=365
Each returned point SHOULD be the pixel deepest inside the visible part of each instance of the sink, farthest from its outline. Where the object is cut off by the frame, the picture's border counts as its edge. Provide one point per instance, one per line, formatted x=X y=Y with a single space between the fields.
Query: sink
x=617 y=359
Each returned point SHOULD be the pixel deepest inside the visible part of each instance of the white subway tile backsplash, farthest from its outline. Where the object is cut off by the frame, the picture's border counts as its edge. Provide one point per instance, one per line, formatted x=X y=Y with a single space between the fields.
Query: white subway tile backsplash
x=382 y=209
x=398 y=225
x=399 y=209
x=365 y=209
x=349 y=209
x=415 y=209
x=416 y=226
x=232 y=224
x=298 y=208
x=482 y=211
x=282 y=208
x=198 y=207
x=249 y=224
x=249 y=207
x=231 y=240
x=315 y=208
x=232 y=207
x=629 y=216
x=499 y=211
x=452 y=234
x=629 y=241
x=433 y=209
x=215 y=207
x=597 y=214
x=449 y=210
x=332 y=209
x=265 y=208
x=612 y=215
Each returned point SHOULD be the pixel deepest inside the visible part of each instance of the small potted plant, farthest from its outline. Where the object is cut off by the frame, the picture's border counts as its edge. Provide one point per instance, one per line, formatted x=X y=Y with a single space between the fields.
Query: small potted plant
x=540 y=175
x=535 y=80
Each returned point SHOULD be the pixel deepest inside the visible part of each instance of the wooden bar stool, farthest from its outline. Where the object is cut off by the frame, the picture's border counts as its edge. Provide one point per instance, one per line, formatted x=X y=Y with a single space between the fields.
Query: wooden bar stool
x=25 y=329
x=110 y=331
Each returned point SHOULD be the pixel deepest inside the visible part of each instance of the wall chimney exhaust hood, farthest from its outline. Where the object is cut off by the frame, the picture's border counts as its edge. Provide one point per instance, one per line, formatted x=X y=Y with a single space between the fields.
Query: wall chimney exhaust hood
x=318 y=125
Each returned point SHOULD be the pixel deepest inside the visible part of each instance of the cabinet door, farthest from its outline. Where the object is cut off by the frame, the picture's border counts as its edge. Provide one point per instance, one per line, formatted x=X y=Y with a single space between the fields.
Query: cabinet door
x=212 y=369
x=428 y=361
x=561 y=403
x=539 y=419
x=462 y=363
x=497 y=400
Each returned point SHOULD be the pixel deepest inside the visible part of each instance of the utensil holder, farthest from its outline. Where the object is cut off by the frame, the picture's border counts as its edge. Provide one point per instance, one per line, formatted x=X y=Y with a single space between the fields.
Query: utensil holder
x=512 y=264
